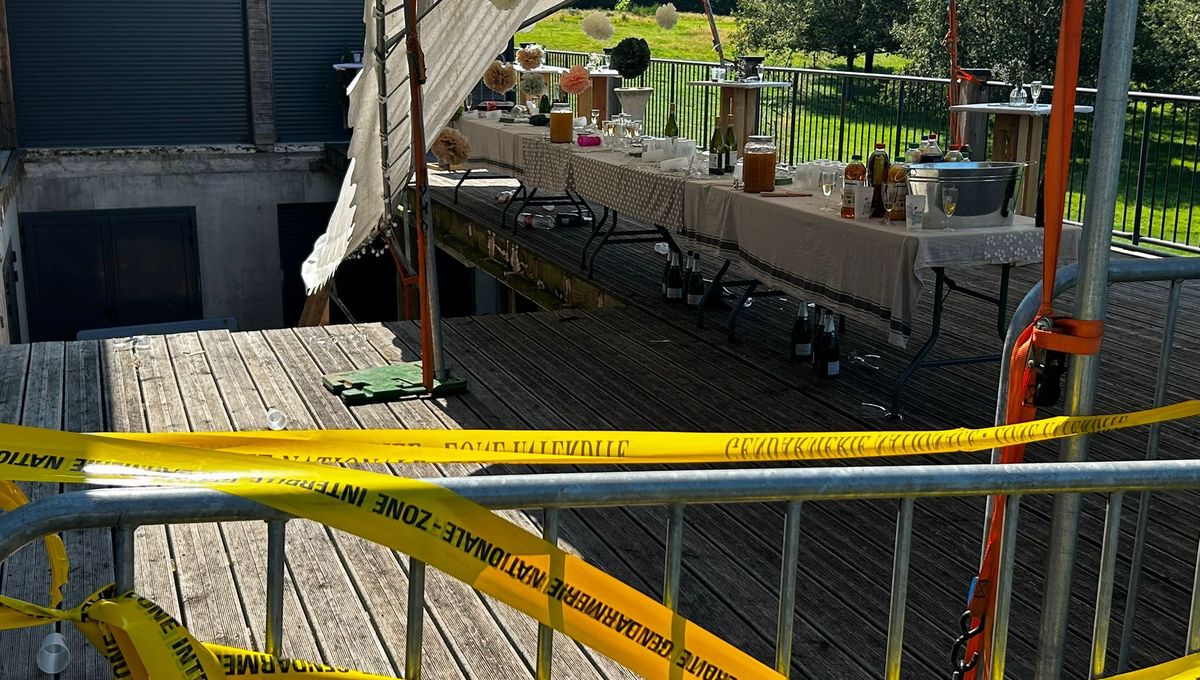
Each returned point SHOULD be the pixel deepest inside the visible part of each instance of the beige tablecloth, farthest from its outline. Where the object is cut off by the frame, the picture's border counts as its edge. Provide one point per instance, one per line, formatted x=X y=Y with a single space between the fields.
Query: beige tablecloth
x=497 y=147
x=862 y=268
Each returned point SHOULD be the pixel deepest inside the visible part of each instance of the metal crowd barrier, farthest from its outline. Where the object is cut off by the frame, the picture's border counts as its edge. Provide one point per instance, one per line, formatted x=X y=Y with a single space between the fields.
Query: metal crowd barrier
x=125 y=509
x=1055 y=614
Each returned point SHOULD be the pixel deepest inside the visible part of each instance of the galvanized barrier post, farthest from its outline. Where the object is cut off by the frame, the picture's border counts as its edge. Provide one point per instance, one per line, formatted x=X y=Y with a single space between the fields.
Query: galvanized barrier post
x=545 y=639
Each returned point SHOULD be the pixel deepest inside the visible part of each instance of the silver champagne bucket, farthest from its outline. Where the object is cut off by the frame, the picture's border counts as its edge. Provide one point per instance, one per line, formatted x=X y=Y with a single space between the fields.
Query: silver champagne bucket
x=987 y=192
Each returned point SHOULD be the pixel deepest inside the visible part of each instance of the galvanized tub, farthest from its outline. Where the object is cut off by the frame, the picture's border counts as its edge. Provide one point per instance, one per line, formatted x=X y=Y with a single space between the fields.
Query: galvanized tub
x=987 y=192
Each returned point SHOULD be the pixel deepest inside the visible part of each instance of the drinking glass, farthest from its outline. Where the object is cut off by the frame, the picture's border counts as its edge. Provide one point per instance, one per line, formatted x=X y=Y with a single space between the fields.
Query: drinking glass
x=949 y=204
x=718 y=74
x=760 y=71
x=1035 y=90
x=889 y=201
x=826 y=179
x=595 y=117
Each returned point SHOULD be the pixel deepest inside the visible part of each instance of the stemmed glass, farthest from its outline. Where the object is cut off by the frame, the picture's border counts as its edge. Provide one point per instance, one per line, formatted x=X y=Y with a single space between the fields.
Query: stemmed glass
x=1035 y=91
x=595 y=117
x=949 y=204
x=889 y=201
x=826 y=179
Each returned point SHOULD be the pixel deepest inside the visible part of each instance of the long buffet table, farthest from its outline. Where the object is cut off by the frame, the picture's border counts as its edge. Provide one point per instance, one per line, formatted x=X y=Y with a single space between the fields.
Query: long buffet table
x=869 y=271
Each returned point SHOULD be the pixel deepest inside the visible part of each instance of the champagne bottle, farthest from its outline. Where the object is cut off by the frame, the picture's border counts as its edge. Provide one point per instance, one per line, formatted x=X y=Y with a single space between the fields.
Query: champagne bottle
x=671 y=130
x=716 y=151
x=801 y=336
x=818 y=335
x=827 y=351
x=731 y=153
x=695 y=287
x=675 y=279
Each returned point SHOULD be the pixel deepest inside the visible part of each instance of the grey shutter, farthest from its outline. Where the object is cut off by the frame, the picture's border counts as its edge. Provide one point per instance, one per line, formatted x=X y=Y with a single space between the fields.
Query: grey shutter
x=307 y=39
x=129 y=72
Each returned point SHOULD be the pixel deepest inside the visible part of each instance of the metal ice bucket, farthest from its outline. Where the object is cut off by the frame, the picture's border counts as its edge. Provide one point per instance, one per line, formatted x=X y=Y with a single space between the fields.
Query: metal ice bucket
x=987 y=192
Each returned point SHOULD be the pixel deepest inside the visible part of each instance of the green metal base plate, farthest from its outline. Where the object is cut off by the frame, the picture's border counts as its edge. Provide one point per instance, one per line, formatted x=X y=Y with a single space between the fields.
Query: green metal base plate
x=388 y=383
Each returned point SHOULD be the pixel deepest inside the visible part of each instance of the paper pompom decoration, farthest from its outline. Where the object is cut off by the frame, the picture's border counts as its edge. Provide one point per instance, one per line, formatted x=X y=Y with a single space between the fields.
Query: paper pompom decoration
x=576 y=80
x=531 y=57
x=500 y=78
x=505 y=5
x=597 y=26
x=666 y=16
x=451 y=147
x=631 y=57
x=532 y=85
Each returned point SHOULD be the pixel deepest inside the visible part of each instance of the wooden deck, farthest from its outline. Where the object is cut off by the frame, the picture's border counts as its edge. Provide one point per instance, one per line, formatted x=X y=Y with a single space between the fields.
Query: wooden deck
x=640 y=365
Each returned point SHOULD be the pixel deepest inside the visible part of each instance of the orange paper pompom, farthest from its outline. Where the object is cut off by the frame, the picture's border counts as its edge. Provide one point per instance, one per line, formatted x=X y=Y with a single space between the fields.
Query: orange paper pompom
x=575 y=81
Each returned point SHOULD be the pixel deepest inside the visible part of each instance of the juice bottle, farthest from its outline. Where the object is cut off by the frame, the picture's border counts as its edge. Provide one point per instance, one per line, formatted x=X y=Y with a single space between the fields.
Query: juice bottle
x=877 y=174
x=854 y=177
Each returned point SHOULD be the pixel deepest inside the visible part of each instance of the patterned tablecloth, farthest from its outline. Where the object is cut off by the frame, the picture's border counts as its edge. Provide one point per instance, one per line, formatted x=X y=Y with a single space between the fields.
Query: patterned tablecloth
x=863 y=268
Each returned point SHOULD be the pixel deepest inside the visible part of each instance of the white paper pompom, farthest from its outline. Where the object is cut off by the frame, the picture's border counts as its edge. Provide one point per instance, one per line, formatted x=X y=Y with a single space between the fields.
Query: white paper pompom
x=597 y=26
x=505 y=5
x=666 y=16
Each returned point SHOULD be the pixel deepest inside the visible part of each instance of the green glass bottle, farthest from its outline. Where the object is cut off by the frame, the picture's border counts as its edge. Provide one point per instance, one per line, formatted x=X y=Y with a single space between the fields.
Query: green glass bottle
x=671 y=130
x=731 y=146
x=716 y=151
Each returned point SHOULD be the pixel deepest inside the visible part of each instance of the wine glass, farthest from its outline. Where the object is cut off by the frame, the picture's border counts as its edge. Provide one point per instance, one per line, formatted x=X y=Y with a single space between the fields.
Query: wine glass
x=1035 y=91
x=595 y=117
x=826 y=180
x=949 y=204
x=889 y=201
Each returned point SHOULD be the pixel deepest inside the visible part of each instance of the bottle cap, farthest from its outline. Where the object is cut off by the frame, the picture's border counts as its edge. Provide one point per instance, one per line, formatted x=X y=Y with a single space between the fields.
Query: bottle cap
x=53 y=655
x=856 y=157
x=880 y=145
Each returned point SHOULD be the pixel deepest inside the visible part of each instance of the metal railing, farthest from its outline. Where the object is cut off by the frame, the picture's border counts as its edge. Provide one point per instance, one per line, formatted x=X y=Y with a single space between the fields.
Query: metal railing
x=125 y=509
x=1174 y=271
x=833 y=114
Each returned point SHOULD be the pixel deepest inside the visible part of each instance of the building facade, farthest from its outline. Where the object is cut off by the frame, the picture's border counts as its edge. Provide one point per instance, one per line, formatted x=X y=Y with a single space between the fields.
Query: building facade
x=166 y=162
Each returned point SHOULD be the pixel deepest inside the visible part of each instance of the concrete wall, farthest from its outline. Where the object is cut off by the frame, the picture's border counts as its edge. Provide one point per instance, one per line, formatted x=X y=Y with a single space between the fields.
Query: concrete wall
x=234 y=192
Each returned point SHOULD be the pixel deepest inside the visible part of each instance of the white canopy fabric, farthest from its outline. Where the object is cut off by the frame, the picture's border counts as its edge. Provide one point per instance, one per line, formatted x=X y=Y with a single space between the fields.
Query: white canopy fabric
x=459 y=39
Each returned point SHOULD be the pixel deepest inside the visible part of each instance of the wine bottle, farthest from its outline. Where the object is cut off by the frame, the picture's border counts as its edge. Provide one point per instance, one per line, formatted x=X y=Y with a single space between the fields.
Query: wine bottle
x=802 y=336
x=716 y=151
x=817 y=335
x=671 y=129
x=695 y=287
x=687 y=272
x=666 y=272
x=675 y=279
x=731 y=146
x=827 y=351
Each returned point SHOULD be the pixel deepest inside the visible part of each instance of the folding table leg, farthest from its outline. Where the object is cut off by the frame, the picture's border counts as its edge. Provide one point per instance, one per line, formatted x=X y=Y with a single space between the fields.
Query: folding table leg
x=935 y=330
x=715 y=284
x=737 y=308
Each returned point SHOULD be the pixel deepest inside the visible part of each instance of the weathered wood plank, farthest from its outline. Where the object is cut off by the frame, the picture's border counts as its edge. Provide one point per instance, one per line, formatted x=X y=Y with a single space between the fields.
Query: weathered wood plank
x=90 y=551
x=246 y=541
x=27 y=574
x=212 y=608
x=481 y=649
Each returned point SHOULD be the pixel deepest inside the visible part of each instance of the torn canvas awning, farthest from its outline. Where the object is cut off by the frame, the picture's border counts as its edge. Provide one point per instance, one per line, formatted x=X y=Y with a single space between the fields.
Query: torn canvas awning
x=459 y=39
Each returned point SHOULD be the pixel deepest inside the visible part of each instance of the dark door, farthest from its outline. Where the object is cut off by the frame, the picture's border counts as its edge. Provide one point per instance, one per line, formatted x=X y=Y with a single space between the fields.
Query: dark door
x=100 y=269
x=366 y=285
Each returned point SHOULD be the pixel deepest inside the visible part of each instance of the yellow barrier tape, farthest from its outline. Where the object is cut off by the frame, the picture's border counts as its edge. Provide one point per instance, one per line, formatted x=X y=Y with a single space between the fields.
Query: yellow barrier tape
x=444 y=530
x=1186 y=668
x=11 y=498
x=426 y=521
x=584 y=446
x=141 y=640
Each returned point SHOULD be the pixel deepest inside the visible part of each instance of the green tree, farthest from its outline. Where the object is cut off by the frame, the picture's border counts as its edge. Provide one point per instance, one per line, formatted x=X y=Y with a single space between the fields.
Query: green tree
x=846 y=28
x=1167 y=55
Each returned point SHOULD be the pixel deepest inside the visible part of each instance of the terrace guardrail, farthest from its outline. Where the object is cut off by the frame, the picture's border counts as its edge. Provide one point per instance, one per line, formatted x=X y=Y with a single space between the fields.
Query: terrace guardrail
x=833 y=114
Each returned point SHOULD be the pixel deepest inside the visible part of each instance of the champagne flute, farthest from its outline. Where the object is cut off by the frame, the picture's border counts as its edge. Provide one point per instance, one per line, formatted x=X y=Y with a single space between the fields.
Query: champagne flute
x=889 y=201
x=949 y=204
x=1035 y=90
x=826 y=180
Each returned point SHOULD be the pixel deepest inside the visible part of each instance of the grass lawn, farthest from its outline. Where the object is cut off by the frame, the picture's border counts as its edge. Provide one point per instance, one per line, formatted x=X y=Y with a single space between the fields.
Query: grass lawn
x=690 y=39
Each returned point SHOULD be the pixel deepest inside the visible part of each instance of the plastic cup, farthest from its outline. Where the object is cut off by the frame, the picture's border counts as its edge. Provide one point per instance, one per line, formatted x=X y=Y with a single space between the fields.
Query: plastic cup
x=53 y=655
x=276 y=419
